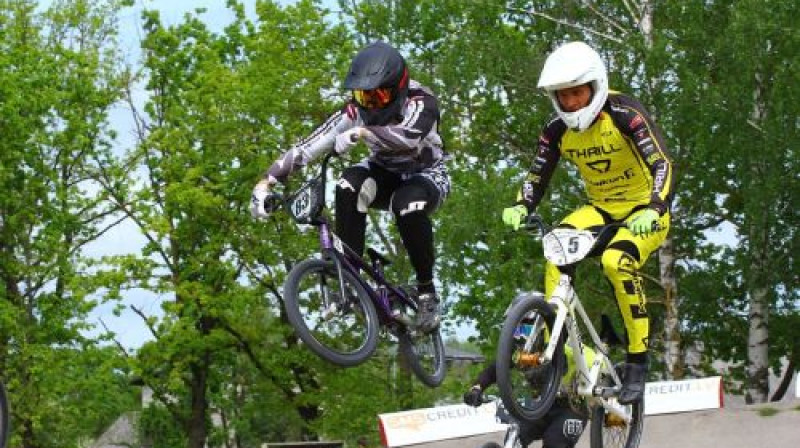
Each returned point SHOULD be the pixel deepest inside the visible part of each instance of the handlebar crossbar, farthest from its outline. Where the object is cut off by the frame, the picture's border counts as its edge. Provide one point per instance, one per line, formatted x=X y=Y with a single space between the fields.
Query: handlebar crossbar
x=535 y=222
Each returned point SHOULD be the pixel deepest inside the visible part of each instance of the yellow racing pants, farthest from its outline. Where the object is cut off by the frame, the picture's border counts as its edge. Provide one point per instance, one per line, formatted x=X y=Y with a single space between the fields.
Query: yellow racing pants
x=621 y=256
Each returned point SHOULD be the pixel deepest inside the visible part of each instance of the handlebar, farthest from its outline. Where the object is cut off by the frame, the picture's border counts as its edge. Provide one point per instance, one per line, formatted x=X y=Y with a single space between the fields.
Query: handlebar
x=273 y=202
x=314 y=190
x=535 y=222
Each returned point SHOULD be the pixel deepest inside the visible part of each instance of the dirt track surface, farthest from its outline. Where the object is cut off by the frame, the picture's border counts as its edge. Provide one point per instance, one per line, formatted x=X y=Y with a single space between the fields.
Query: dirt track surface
x=732 y=427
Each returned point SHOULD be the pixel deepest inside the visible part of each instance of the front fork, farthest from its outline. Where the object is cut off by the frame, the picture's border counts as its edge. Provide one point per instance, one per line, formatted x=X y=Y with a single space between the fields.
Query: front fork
x=333 y=306
x=564 y=300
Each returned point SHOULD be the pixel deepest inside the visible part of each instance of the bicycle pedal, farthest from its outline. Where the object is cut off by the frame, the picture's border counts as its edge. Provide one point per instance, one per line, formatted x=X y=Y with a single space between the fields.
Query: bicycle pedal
x=404 y=319
x=605 y=392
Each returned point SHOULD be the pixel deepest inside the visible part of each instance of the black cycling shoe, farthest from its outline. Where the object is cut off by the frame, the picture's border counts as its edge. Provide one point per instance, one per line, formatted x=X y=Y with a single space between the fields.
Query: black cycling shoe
x=428 y=318
x=633 y=383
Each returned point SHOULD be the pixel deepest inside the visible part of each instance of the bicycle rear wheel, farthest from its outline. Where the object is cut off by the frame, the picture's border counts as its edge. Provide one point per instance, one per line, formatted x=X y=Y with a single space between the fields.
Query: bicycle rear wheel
x=425 y=356
x=527 y=386
x=340 y=326
x=610 y=431
x=5 y=413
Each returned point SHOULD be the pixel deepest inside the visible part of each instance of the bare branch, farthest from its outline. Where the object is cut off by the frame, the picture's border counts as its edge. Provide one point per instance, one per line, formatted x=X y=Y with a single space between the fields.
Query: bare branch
x=146 y=322
x=589 y=4
x=565 y=23
x=755 y=125
x=654 y=280
x=105 y=182
x=632 y=12
x=116 y=342
x=94 y=236
x=243 y=344
x=270 y=286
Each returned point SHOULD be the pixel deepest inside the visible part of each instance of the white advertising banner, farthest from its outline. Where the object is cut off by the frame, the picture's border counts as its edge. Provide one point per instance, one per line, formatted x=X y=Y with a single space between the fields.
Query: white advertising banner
x=440 y=423
x=455 y=421
x=663 y=397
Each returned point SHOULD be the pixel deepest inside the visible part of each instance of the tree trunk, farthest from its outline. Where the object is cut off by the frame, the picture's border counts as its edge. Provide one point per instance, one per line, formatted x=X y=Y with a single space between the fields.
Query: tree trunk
x=197 y=429
x=757 y=273
x=757 y=348
x=197 y=425
x=673 y=358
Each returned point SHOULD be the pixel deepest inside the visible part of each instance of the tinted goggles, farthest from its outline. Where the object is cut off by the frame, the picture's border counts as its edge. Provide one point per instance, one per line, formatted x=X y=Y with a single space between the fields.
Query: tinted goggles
x=374 y=98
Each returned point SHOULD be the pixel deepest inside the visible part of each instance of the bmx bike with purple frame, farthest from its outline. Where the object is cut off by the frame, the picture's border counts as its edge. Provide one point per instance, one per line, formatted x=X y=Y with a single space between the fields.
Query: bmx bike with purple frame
x=338 y=303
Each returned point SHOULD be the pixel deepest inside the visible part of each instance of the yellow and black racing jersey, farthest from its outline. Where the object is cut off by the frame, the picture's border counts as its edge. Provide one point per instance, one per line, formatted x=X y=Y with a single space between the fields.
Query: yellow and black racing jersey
x=621 y=158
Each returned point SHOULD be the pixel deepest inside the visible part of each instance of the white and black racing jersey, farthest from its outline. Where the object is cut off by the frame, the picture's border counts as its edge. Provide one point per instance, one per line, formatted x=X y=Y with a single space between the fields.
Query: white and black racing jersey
x=411 y=144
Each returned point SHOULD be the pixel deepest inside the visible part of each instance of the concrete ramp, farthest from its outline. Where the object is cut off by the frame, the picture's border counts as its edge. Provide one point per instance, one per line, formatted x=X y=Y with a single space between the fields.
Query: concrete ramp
x=767 y=425
x=773 y=425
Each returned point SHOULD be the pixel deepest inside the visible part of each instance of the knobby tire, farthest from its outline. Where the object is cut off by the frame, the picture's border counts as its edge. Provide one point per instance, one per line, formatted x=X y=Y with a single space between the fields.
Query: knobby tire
x=528 y=392
x=363 y=311
x=610 y=434
x=419 y=351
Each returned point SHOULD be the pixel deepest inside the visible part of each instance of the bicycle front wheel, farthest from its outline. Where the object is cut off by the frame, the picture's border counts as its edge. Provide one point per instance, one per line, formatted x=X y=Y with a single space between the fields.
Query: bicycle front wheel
x=339 y=324
x=527 y=385
x=5 y=413
x=425 y=356
x=610 y=431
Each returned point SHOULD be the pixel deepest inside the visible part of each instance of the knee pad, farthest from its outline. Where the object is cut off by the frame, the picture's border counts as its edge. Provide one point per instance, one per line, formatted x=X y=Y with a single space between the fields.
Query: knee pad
x=410 y=199
x=355 y=181
x=618 y=262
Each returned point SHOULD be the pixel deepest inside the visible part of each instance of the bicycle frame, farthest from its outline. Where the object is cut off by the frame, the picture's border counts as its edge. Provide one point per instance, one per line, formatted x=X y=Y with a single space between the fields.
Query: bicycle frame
x=306 y=206
x=511 y=437
x=568 y=305
x=385 y=292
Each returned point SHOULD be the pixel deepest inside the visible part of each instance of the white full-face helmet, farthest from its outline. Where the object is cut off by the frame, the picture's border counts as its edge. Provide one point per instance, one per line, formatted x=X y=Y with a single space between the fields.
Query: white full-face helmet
x=571 y=65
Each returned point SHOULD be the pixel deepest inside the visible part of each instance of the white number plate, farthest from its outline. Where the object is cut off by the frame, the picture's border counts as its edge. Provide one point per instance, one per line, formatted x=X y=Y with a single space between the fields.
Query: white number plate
x=567 y=246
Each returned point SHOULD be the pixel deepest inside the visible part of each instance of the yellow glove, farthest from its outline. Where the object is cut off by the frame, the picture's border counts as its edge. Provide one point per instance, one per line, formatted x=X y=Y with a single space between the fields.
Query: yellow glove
x=513 y=216
x=643 y=222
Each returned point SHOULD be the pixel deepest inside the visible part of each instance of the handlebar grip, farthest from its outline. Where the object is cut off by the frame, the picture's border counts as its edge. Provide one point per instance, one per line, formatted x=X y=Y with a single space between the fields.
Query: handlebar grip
x=272 y=202
x=534 y=222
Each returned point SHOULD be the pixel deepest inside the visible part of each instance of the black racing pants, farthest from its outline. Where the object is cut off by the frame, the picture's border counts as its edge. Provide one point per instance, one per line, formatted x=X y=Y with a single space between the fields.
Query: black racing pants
x=561 y=427
x=410 y=197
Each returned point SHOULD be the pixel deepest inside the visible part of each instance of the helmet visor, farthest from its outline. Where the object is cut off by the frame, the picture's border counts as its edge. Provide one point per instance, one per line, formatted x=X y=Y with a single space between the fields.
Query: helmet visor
x=373 y=98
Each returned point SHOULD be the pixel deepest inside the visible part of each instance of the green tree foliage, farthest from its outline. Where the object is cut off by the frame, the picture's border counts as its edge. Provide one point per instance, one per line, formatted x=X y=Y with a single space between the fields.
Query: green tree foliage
x=59 y=82
x=737 y=122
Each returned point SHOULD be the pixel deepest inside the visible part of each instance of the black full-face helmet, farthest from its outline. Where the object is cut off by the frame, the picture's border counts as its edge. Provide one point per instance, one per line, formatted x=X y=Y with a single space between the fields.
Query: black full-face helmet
x=378 y=77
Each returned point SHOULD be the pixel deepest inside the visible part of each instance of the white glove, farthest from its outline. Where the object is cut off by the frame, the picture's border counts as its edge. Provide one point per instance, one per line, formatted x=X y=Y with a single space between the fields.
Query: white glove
x=260 y=193
x=347 y=140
